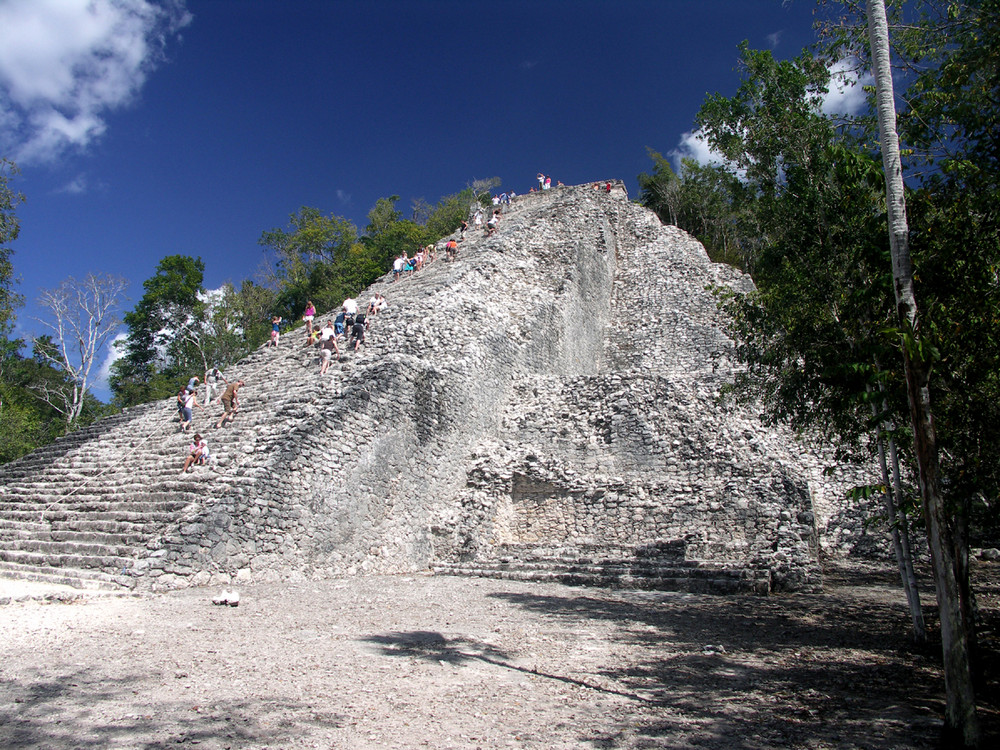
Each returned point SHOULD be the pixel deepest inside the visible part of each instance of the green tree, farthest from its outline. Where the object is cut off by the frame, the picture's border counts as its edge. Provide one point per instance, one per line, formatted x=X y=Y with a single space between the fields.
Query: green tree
x=811 y=335
x=704 y=200
x=960 y=716
x=10 y=227
x=388 y=234
x=660 y=191
x=820 y=337
x=156 y=354
x=448 y=214
x=947 y=123
x=316 y=259
x=312 y=239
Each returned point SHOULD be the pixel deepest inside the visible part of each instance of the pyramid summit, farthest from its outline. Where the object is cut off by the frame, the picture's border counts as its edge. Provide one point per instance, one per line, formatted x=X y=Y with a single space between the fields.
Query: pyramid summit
x=543 y=407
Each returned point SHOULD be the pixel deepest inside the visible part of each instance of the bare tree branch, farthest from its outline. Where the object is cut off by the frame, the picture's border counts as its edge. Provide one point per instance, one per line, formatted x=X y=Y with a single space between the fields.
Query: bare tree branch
x=84 y=317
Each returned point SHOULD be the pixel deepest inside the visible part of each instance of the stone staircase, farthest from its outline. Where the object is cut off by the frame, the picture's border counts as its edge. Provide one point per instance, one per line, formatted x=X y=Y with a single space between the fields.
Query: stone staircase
x=86 y=509
x=652 y=567
x=69 y=514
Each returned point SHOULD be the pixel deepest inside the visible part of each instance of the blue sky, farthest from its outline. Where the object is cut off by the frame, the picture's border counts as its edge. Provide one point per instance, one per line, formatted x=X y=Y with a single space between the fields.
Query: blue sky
x=145 y=129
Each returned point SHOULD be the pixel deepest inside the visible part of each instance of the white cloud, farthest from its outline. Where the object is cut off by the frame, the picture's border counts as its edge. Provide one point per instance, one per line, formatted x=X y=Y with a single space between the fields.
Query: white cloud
x=76 y=186
x=774 y=39
x=846 y=95
x=64 y=64
x=694 y=146
x=113 y=354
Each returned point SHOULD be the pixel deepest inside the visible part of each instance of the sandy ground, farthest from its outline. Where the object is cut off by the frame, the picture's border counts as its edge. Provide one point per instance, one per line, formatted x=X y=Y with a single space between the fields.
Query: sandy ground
x=442 y=662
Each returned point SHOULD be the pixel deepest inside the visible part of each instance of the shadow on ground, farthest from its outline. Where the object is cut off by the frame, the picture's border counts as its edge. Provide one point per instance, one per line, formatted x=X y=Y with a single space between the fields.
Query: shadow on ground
x=749 y=673
x=51 y=714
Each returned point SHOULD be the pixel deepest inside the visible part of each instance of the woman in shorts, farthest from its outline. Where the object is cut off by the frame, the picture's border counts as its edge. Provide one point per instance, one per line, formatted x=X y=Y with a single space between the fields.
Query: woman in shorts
x=308 y=316
x=275 y=329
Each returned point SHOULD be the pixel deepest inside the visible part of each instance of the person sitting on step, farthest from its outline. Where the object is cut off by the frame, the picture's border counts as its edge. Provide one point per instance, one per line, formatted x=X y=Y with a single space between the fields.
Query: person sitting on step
x=197 y=453
x=377 y=304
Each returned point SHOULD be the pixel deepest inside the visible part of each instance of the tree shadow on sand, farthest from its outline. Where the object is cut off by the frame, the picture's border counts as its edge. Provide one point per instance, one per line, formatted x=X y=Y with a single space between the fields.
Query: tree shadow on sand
x=432 y=646
x=81 y=711
x=750 y=673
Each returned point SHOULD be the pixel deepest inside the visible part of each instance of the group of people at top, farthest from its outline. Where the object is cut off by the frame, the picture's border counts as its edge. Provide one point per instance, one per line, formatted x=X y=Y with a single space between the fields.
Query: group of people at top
x=350 y=323
x=545 y=182
x=406 y=265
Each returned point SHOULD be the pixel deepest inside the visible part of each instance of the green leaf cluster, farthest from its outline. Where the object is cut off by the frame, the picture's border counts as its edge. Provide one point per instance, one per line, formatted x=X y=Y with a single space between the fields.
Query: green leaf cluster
x=325 y=259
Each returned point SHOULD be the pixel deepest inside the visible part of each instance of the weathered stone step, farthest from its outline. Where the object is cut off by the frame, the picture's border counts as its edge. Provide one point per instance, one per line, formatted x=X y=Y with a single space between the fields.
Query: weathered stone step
x=56 y=560
x=164 y=479
x=79 y=579
x=150 y=502
x=167 y=474
x=48 y=547
x=722 y=582
x=11 y=523
x=45 y=533
x=587 y=551
x=83 y=526
x=688 y=568
x=69 y=518
x=583 y=553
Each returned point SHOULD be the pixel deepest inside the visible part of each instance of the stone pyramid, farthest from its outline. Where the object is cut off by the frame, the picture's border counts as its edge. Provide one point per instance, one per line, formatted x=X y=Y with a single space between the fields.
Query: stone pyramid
x=544 y=407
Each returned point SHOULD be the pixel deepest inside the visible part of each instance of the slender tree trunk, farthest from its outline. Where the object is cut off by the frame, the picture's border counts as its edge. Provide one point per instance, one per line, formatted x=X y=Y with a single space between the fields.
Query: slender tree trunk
x=904 y=529
x=900 y=540
x=960 y=714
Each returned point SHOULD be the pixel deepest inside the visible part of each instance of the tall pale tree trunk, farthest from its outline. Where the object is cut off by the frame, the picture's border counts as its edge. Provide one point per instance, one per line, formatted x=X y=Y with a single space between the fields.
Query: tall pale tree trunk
x=960 y=715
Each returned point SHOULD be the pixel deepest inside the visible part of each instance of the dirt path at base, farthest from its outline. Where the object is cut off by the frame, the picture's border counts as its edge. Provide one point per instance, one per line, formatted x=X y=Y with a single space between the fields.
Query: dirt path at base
x=441 y=662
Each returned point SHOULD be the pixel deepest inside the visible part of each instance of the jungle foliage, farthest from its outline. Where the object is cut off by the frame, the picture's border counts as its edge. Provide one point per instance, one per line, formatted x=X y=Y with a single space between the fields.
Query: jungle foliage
x=798 y=201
